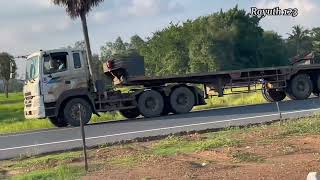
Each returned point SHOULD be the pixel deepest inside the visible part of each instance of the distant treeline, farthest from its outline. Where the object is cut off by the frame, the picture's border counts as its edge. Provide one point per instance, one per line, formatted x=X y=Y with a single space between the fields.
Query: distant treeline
x=221 y=41
x=15 y=85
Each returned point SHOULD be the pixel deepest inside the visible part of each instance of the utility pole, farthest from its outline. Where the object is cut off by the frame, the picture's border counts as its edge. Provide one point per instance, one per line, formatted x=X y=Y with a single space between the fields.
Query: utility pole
x=83 y=140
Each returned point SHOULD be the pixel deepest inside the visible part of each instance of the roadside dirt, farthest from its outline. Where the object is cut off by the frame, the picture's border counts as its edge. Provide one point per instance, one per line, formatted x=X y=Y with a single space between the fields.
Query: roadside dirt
x=280 y=158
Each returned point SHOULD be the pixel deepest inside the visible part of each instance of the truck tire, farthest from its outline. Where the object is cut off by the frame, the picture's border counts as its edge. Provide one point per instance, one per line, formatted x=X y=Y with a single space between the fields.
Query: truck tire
x=71 y=112
x=272 y=95
x=316 y=87
x=150 y=103
x=182 y=100
x=300 y=87
x=130 y=113
x=58 y=122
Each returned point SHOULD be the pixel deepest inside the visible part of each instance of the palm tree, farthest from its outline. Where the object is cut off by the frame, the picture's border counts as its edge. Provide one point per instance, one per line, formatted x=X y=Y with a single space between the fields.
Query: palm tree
x=298 y=35
x=80 y=8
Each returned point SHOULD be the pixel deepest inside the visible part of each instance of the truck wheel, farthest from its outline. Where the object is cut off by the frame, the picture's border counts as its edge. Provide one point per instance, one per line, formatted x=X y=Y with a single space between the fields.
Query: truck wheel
x=130 y=113
x=58 y=122
x=182 y=100
x=300 y=87
x=272 y=95
x=71 y=112
x=150 y=103
x=316 y=87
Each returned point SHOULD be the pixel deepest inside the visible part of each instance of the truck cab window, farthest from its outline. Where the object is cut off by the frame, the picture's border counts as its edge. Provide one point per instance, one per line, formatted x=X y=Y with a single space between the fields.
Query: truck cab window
x=55 y=62
x=76 y=60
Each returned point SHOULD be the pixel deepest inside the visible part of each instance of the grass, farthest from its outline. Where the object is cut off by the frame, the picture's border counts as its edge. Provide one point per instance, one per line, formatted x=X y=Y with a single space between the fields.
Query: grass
x=128 y=160
x=247 y=157
x=44 y=161
x=233 y=100
x=62 y=165
x=57 y=173
x=174 y=145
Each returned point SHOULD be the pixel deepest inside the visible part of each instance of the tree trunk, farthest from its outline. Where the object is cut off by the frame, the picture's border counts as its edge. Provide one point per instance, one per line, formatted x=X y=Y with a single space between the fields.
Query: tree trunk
x=88 y=48
x=6 y=88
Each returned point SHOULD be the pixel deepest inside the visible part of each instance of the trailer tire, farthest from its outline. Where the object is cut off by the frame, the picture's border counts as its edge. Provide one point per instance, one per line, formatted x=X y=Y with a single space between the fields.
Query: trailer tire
x=300 y=87
x=271 y=95
x=182 y=100
x=316 y=88
x=130 y=113
x=150 y=103
x=58 y=121
x=71 y=111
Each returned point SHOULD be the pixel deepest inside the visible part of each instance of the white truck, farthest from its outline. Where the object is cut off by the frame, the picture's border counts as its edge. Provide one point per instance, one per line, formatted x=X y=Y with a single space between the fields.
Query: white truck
x=58 y=84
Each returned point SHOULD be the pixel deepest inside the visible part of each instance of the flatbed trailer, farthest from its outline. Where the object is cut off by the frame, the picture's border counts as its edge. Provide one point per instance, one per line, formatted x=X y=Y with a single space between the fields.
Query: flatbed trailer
x=275 y=82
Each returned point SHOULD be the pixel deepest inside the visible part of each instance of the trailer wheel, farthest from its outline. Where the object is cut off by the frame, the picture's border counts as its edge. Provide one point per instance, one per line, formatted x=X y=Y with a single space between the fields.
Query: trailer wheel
x=300 y=87
x=71 y=112
x=130 y=113
x=58 y=122
x=271 y=95
x=316 y=88
x=182 y=100
x=150 y=103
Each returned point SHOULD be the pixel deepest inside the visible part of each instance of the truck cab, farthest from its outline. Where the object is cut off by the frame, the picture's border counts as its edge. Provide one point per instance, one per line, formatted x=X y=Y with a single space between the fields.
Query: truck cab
x=50 y=75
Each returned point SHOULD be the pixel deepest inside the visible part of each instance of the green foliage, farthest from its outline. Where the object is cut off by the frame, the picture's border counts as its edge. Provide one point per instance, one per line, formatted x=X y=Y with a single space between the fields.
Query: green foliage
x=58 y=173
x=173 y=145
x=7 y=67
x=307 y=125
x=273 y=50
x=299 y=41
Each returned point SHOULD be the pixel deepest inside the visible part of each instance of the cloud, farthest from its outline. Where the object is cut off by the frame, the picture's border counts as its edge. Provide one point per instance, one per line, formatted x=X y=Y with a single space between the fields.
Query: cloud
x=101 y=17
x=152 y=7
x=308 y=14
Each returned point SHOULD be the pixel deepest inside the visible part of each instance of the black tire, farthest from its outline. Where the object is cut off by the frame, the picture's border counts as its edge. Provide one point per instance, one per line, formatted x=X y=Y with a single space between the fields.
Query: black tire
x=130 y=113
x=316 y=87
x=182 y=100
x=58 y=122
x=151 y=104
x=71 y=112
x=300 y=87
x=272 y=95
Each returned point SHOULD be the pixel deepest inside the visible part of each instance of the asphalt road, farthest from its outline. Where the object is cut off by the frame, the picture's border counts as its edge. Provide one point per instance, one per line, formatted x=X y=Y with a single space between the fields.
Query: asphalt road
x=45 y=141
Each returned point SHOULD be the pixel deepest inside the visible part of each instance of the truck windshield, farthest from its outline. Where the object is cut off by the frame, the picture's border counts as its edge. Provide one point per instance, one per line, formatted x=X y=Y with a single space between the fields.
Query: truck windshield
x=32 y=66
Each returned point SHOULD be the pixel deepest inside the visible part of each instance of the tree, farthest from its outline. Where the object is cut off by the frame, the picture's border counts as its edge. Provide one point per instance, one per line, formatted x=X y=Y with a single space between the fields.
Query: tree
x=136 y=42
x=7 y=66
x=272 y=50
x=79 y=45
x=116 y=49
x=300 y=39
x=80 y=8
x=315 y=34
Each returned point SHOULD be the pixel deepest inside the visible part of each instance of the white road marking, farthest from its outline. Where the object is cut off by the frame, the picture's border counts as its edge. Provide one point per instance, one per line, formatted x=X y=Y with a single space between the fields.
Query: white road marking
x=158 y=129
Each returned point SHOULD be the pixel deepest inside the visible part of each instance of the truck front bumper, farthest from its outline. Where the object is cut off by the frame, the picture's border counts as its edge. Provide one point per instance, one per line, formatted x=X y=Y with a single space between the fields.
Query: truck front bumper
x=34 y=108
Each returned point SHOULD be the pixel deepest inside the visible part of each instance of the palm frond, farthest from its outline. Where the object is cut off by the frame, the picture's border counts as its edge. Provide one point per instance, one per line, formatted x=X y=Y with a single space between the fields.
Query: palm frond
x=77 y=7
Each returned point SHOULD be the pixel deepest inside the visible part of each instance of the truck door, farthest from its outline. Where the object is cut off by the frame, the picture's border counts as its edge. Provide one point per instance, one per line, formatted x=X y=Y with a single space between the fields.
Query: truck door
x=56 y=75
x=79 y=75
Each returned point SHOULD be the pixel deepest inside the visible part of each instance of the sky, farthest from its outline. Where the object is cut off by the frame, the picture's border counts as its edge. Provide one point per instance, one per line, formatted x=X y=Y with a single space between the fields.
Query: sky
x=31 y=25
